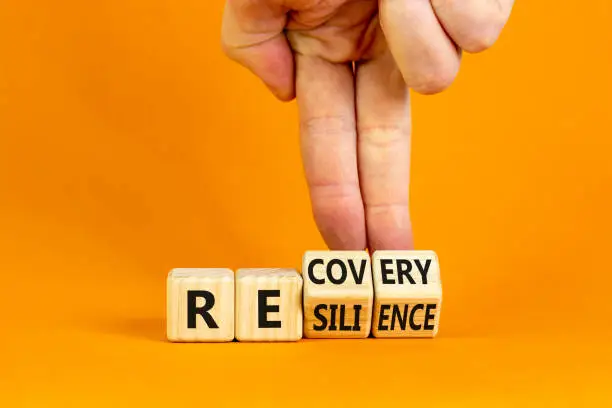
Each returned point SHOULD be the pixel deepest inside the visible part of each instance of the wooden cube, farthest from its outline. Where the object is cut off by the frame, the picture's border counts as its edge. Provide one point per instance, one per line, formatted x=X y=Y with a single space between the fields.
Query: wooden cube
x=407 y=293
x=200 y=305
x=338 y=294
x=268 y=305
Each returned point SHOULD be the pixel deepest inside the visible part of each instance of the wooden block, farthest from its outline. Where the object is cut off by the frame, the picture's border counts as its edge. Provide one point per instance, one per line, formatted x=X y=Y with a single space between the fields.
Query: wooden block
x=268 y=305
x=407 y=293
x=200 y=305
x=338 y=294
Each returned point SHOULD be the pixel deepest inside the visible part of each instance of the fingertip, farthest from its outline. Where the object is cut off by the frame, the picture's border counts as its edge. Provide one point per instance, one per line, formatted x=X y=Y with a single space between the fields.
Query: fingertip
x=389 y=228
x=284 y=94
x=339 y=214
x=341 y=225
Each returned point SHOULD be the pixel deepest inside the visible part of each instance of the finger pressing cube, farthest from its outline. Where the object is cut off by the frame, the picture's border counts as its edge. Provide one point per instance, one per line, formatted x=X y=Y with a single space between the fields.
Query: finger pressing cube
x=200 y=305
x=407 y=293
x=338 y=294
x=268 y=305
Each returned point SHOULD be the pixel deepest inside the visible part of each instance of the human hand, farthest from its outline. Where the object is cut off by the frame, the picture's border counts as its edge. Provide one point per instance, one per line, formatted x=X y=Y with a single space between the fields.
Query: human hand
x=350 y=64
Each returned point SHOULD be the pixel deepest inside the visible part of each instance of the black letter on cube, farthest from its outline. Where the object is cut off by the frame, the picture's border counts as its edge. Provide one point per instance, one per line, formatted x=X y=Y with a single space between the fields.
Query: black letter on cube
x=193 y=311
x=265 y=308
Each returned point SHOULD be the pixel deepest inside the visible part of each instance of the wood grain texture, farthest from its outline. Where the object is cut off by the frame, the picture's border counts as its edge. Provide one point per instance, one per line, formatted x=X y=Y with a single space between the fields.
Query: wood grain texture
x=338 y=294
x=265 y=298
x=220 y=284
x=407 y=294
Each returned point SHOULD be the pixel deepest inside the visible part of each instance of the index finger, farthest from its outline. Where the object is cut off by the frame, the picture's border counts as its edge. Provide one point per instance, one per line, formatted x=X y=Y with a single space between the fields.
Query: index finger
x=326 y=101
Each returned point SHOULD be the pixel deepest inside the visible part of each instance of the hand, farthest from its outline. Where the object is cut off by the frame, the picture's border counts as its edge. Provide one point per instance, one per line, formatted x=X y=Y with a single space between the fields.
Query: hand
x=350 y=64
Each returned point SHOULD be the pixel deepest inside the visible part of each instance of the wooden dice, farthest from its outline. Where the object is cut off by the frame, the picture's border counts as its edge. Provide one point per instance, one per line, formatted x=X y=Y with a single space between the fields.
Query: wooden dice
x=408 y=294
x=338 y=294
x=200 y=305
x=268 y=305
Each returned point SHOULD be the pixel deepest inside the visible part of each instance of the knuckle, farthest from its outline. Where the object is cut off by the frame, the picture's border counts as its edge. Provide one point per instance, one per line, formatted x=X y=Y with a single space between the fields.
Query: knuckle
x=327 y=125
x=474 y=25
x=481 y=36
x=435 y=81
x=482 y=29
x=324 y=191
x=390 y=136
x=476 y=43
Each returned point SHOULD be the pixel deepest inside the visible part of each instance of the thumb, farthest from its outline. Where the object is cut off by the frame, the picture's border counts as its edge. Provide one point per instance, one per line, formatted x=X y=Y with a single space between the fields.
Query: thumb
x=252 y=35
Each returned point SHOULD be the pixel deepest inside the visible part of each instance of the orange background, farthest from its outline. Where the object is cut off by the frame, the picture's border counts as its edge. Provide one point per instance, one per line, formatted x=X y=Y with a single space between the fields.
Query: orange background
x=130 y=145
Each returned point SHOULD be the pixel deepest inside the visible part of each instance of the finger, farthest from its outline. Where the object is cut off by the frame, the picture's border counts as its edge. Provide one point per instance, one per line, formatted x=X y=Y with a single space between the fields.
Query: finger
x=252 y=35
x=427 y=58
x=474 y=25
x=325 y=96
x=383 y=128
